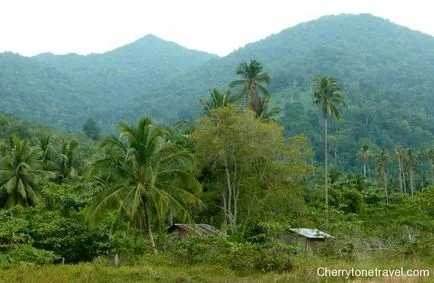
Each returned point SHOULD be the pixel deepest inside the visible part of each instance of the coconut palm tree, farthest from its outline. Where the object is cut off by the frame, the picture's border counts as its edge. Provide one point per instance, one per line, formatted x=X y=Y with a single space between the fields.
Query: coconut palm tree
x=382 y=162
x=400 y=153
x=20 y=174
x=146 y=175
x=365 y=155
x=327 y=92
x=253 y=80
x=218 y=99
x=264 y=113
x=411 y=164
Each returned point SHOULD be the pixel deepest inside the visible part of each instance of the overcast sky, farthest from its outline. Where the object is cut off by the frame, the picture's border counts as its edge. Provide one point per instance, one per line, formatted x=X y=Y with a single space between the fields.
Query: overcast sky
x=30 y=27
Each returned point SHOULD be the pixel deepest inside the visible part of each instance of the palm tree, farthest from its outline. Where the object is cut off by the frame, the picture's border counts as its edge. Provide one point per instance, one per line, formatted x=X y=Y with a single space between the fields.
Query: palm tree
x=147 y=175
x=400 y=156
x=382 y=161
x=264 y=113
x=253 y=80
x=20 y=174
x=218 y=99
x=328 y=93
x=427 y=154
x=364 y=155
x=411 y=163
x=66 y=161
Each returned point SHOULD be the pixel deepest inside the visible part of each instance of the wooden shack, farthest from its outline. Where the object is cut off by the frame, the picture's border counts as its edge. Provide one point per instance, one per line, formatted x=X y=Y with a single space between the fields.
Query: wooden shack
x=308 y=239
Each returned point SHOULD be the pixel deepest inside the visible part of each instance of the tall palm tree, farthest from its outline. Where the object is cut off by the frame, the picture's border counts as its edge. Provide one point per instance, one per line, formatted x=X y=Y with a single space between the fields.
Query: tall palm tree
x=411 y=164
x=382 y=161
x=218 y=99
x=20 y=174
x=365 y=154
x=327 y=92
x=147 y=175
x=400 y=156
x=253 y=80
x=427 y=154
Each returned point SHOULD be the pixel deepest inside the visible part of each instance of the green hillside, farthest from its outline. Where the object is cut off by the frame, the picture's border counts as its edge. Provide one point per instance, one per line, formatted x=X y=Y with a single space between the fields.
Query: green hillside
x=387 y=71
x=63 y=91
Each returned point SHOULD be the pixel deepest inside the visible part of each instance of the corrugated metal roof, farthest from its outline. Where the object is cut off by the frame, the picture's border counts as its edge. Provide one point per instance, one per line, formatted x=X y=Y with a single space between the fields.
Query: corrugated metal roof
x=311 y=233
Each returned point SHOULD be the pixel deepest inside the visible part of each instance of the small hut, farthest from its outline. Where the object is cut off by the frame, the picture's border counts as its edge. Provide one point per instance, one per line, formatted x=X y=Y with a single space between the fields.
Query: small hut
x=180 y=230
x=308 y=239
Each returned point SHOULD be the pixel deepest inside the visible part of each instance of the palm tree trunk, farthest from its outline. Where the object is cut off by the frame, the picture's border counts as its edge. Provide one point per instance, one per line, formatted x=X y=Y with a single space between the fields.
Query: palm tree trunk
x=432 y=171
x=149 y=231
x=385 y=185
x=325 y=173
x=364 y=169
x=400 y=174
x=412 y=181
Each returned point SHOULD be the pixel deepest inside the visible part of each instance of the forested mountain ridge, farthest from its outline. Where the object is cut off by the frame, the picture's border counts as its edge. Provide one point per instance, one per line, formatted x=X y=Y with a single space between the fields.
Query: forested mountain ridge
x=366 y=52
x=64 y=90
x=386 y=71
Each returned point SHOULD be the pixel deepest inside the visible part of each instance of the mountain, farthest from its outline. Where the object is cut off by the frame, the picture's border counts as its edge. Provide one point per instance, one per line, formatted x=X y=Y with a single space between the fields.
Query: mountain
x=387 y=71
x=64 y=90
x=363 y=51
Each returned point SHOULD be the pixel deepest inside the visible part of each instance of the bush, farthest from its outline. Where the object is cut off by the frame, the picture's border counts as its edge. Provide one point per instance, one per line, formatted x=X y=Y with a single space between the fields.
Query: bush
x=26 y=254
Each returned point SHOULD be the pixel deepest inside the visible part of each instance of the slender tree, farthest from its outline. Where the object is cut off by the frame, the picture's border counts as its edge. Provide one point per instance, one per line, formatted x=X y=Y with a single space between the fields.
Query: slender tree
x=253 y=80
x=147 y=175
x=411 y=163
x=382 y=162
x=400 y=156
x=327 y=92
x=365 y=154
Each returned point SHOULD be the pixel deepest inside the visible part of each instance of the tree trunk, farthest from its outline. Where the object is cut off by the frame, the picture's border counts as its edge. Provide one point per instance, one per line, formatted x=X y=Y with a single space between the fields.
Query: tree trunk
x=325 y=173
x=364 y=169
x=400 y=174
x=225 y=207
x=411 y=181
x=385 y=185
x=149 y=231
x=230 y=196
x=432 y=170
x=404 y=182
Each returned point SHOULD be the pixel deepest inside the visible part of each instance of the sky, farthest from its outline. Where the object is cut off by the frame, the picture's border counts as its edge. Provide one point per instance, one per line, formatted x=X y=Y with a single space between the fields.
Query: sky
x=30 y=27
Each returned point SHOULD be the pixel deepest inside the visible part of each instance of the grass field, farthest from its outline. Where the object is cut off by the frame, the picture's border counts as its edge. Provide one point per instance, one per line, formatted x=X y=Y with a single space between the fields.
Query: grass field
x=150 y=269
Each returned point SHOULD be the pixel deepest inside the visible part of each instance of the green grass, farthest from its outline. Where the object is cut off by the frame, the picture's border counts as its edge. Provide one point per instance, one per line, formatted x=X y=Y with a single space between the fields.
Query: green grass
x=150 y=269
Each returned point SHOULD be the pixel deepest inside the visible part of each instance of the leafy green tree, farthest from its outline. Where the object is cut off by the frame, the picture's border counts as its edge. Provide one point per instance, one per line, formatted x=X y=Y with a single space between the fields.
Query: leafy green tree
x=20 y=175
x=148 y=176
x=253 y=162
x=327 y=92
x=218 y=99
x=91 y=129
x=253 y=80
